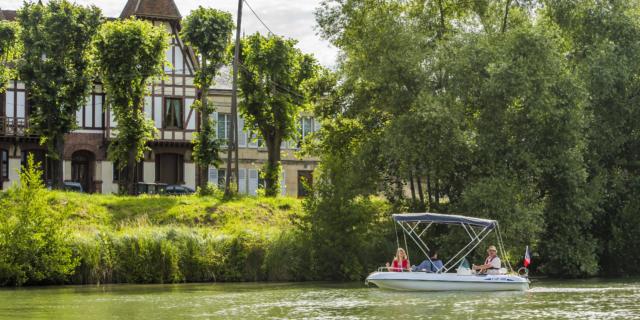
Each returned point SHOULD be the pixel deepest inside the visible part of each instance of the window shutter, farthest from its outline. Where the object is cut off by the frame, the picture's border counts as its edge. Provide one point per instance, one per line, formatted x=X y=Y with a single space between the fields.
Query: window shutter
x=242 y=134
x=213 y=176
x=253 y=182
x=242 y=181
x=283 y=183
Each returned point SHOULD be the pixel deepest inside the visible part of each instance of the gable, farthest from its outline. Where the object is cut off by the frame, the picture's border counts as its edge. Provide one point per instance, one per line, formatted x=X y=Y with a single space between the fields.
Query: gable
x=163 y=9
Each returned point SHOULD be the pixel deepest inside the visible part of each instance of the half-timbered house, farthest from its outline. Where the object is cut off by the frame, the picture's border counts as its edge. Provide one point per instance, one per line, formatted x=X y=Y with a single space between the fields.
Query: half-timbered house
x=168 y=105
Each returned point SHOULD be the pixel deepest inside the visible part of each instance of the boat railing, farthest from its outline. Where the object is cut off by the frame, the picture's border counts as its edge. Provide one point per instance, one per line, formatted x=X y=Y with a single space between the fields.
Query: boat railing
x=391 y=269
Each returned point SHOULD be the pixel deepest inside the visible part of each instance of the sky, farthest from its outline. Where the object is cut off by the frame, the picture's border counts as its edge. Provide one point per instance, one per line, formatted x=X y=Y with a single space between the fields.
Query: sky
x=289 y=18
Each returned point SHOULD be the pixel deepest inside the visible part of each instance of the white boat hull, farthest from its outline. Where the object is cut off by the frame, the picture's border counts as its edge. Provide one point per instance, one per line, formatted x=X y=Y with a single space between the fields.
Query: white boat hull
x=422 y=281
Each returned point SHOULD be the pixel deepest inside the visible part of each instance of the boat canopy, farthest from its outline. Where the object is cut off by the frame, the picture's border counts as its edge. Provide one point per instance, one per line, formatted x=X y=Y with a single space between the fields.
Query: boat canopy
x=444 y=219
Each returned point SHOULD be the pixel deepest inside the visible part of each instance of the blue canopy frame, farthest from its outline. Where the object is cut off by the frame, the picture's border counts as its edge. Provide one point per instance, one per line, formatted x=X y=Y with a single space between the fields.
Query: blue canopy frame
x=444 y=219
x=477 y=229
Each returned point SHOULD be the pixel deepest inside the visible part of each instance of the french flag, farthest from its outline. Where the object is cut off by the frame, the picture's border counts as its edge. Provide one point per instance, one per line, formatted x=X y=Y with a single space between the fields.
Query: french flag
x=527 y=257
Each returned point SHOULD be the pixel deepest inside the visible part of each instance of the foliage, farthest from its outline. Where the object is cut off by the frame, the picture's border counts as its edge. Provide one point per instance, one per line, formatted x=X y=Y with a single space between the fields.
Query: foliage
x=128 y=53
x=208 y=31
x=604 y=51
x=9 y=50
x=56 y=40
x=34 y=238
x=275 y=82
x=474 y=107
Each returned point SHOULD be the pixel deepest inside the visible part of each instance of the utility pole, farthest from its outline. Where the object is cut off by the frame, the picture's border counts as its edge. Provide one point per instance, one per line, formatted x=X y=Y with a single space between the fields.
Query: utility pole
x=232 y=144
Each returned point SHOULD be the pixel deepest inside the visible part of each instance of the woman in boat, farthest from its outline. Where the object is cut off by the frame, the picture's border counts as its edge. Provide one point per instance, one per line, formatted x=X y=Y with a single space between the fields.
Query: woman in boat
x=491 y=263
x=400 y=262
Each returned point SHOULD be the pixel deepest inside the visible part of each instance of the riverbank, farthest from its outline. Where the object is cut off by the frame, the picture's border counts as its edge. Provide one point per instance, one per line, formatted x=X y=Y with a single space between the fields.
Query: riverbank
x=54 y=237
x=162 y=239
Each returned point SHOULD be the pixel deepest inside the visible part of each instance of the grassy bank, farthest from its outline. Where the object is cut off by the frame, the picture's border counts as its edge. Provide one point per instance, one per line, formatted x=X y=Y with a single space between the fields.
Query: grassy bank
x=52 y=237
x=161 y=239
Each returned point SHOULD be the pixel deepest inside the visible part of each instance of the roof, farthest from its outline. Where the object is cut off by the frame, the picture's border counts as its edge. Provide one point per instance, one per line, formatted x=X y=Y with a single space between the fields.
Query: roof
x=8 y=15
x=163 y=9
x=444 y=219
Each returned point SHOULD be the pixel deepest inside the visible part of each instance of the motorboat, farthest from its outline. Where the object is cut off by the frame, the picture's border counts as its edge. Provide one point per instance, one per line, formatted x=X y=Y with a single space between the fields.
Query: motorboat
x=415 y=226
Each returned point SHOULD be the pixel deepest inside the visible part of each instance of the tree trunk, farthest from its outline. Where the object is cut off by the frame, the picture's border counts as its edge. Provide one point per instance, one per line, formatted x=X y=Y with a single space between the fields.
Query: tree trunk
x=442 y=28
x=131 y=173
x=429 y=191
x=506 y=16
x=413 y=189
x=420 y=193
x=437 y=193
x=58 y=166
x=272 y=168
x=203 y=169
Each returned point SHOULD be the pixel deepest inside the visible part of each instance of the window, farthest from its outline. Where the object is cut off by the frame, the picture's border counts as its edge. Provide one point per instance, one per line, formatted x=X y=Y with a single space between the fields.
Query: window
x=120 y=173
x=4 y=158
x=224 y=126
x=173 y=114
x=222 y=177
x=46 y=164
x=306 y=126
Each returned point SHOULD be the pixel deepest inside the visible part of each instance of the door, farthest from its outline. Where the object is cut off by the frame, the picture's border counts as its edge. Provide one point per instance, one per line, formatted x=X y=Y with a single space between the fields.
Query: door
x=81 y=170
x=305 y=179
x=169 y=168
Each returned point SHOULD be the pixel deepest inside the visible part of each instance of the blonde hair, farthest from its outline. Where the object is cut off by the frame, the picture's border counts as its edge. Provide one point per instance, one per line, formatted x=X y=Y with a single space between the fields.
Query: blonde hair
x=397 y=257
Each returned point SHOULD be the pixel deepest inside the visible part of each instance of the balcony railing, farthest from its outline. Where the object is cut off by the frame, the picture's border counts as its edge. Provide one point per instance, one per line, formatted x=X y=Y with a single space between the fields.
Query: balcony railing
x=13 y=126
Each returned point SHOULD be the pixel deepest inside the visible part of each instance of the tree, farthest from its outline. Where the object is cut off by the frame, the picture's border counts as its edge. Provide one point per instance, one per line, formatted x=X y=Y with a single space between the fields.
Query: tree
x=56 y=40
x=8 y=51
x=604 y=51
x=208 y=31
x=129 y=53
x=275 y=82
x=34 y=237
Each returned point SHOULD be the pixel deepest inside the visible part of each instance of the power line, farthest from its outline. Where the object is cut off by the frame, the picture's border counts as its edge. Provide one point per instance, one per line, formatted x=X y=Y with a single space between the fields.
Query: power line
x=257 y=16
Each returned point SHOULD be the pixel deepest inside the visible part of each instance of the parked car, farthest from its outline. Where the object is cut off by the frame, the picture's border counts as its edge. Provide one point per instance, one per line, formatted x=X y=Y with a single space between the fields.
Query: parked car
x=68 y=186
x=73 y=186
x=177 y=190
x=151 y=188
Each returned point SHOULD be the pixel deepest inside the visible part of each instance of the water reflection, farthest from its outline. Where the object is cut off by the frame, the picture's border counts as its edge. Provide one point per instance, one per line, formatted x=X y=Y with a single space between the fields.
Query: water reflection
x=592 y=299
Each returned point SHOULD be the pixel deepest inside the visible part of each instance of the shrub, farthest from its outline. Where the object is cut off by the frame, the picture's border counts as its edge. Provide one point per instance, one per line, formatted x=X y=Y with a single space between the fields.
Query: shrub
x=34 y=245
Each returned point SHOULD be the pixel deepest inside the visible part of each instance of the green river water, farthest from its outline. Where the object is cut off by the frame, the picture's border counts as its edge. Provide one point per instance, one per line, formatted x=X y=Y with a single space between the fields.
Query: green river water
x=583 y=299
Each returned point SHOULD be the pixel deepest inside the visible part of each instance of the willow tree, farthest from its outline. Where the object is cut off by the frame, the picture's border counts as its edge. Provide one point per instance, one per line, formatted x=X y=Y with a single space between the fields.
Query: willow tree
x=55 y=67
x=128 y=54
x=208 y=31
x=8 y=50
x=275 y=83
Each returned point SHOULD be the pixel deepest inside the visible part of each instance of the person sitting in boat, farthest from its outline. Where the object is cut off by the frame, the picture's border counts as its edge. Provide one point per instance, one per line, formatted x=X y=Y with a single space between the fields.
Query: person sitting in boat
x=491 y=263
x=400 y=262
x=429 y=266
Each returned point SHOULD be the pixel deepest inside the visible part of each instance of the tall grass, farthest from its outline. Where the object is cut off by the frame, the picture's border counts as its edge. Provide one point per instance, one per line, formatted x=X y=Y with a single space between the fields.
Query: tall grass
x=175 y=254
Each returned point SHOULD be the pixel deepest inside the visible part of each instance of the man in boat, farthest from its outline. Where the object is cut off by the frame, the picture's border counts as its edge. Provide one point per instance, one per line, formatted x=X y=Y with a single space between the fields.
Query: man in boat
x=491 y=263
x=429 y=266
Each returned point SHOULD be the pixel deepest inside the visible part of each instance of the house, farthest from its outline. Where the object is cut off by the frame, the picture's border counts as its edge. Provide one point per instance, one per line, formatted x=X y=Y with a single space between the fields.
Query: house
x=168 y=105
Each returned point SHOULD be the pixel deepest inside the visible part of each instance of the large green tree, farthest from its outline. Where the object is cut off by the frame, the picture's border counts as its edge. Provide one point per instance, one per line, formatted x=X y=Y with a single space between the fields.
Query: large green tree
x=462 y=102
x=275 y=82
x=8 y=51
x=604 y=38
x=128 y=54
x=208 y=31
x=56 y=39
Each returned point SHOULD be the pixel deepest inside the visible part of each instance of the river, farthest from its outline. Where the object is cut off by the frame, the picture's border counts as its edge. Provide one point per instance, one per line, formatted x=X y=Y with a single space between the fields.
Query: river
x=578 y=299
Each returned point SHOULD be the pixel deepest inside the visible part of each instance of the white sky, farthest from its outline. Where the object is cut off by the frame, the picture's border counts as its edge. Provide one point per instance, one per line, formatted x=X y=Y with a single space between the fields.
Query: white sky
x=290 y=18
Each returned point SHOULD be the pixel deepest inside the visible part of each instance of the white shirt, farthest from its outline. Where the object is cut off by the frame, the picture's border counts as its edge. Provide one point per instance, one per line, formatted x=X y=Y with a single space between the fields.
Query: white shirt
x=495 y=262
